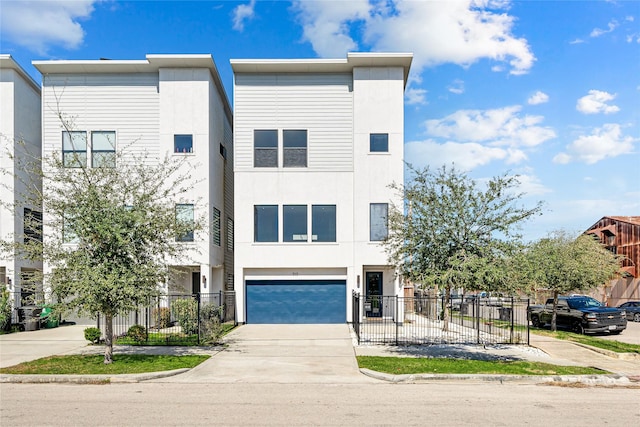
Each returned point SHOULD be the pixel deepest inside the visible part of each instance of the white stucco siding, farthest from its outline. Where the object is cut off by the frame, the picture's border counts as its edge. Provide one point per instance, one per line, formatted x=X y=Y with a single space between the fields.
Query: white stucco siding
x=126 y=103
x=320 y=103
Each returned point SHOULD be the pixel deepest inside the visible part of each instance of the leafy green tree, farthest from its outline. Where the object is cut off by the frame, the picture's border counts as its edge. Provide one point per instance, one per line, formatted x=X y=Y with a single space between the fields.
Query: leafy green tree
x=562 y=263
x=455 y=233
x=110 y=231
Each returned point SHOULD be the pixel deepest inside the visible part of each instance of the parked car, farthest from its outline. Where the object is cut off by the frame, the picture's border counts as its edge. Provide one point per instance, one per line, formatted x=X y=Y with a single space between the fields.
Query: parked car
x=579 y=314
x=632 y=308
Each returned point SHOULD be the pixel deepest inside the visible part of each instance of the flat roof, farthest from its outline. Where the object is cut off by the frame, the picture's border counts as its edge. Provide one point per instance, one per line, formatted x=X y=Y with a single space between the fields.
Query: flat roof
x=353 y=59
x=7 y=62
x=151 y=64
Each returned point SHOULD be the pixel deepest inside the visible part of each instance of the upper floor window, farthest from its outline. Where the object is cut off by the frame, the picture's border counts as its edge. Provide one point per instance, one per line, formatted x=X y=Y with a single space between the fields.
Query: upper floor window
x=294 y=143
x=265 y=146
x=265 y=223
x=103 y=149
x=68 y=233
x=230 y=235
x=215 y=225
x=378 y=223
x=294 y=223
x=183 y=143
x=379 y=142
x=74 y=149
x=323 y=223
x=185 y=218
x=32 y=225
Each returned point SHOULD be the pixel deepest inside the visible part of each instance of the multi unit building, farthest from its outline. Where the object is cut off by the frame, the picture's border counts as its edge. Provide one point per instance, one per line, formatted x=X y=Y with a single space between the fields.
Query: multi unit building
x=317 y=144
x=163 y=105
x=19 y=149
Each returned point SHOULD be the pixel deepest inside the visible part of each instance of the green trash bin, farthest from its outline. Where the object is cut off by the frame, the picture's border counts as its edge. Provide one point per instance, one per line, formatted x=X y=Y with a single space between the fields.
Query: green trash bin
x=47 y=318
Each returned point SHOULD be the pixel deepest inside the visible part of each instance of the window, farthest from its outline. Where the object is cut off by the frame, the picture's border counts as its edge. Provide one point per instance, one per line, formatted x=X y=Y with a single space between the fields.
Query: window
x=183 y=143
x=68 y=234
x=294 y=223
x=229 y=234
x=74 y=149
x=223 y=151
x=103 y=149
x=378 y=221
x=323 y=223
x=32 y=225
x=185 y=220
x=265 y=223
x=215 y=223
x=294 y=143
x=379 y=142
x=265 y=144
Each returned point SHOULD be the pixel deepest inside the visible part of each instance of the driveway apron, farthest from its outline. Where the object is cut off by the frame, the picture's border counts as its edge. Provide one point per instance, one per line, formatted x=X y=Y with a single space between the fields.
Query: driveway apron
x=281 y=354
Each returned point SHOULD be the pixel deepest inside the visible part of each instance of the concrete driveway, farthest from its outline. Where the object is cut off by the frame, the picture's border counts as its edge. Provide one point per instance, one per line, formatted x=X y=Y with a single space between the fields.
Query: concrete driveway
x=281 y=354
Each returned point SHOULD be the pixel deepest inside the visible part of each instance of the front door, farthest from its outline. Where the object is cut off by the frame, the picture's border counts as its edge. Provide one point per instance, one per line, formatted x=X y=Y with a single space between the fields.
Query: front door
x=195 y=282
x=373 y=301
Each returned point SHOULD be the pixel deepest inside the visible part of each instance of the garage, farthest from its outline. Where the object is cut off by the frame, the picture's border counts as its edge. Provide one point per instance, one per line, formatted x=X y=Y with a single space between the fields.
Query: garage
x=296 y=301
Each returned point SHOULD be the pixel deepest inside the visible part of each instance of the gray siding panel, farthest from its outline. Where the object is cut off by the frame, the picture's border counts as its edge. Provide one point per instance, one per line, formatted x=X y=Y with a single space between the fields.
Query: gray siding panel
x=320 y=103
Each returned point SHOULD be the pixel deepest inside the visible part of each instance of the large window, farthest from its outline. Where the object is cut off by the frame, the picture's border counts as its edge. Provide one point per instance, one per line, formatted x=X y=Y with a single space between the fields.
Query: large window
x=294 y=219
x=323 y=223
x=74 y=149
x=183 y=143
x=32 y=225
x=215 y=226
x=379 y=142
x=378 y=228
x=265 y=223
x=265 y=145
x=103 y=149
x=294 y=143
x=185 y=219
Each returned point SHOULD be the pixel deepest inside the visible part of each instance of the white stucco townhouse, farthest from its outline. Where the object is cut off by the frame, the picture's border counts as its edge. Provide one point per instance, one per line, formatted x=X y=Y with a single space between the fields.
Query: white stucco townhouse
x=19 y=147
x=162 y=104
x=317 y=143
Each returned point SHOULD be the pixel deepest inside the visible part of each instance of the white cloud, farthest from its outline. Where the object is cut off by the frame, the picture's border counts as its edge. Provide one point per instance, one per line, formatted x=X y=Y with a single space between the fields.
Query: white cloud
x=602 y=143
x=538 y=98
x=457 y=87
x=597 y=32
x=415 y=96
x=596 y=102
x=532 y=186
x=39 y=25
x=466 y=156
x=497 y=127
x=242 y=13
x=460 y=32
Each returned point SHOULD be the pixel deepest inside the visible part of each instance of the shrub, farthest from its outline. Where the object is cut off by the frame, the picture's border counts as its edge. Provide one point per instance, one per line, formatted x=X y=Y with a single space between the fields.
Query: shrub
x=92 y=335
x=162 y=317
x=185 y=312
x=210 y=326
x=5 y=310
x=137 y=333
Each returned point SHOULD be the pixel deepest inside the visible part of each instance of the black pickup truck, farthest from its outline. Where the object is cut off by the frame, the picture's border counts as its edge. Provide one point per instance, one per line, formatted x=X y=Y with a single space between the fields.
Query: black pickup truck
x=580 y=314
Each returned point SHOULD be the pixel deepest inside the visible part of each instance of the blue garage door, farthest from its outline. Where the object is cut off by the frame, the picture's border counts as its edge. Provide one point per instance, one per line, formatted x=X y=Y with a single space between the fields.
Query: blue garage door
x=296 y=301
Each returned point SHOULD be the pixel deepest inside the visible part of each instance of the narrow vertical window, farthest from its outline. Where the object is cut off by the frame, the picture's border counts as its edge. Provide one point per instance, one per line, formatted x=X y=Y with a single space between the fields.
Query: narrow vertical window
x=378 y=225
x=294 y=143
x=230 y=236
x=323 y=223
x=103 y=149
x=68 y=233
x=294 y=223
x=183 y=143
x=32 y=225
x=265 y=223
x=265 y=146
x=74 y=149
x=379 y=142
x=185 y=220
x=215 y=224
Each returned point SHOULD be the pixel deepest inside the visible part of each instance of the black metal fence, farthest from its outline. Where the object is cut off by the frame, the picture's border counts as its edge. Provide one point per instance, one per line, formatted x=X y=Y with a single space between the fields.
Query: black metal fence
x=175 y=319
x=421 y=320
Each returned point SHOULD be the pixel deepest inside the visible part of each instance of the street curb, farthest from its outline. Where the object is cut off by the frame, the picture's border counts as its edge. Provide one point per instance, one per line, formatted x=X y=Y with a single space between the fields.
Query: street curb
x=88 y=379
x=609 y=379
x=609 y=353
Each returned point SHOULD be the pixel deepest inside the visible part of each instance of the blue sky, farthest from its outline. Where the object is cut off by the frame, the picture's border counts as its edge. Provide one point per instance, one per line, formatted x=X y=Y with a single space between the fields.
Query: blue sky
x=547 y=90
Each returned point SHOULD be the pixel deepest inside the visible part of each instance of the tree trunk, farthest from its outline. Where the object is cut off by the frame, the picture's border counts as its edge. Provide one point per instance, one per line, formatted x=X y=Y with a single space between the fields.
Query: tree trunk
x=445 y=309
x=554 y=313
x=108 y=339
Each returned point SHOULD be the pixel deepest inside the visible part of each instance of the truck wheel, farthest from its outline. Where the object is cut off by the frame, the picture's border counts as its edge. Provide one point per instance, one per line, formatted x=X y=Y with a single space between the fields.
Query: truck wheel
x=636 y=317
x=535 y=321
x=577 y=328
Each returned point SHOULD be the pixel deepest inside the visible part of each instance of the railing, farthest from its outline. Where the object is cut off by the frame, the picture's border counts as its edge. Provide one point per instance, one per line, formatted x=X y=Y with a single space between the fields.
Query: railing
x=421 y=320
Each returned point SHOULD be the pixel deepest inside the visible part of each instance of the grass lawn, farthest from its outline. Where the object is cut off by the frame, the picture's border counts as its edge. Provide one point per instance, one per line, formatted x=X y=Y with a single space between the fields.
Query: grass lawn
x=93 y=364
x=422 y=365
x=594 y=341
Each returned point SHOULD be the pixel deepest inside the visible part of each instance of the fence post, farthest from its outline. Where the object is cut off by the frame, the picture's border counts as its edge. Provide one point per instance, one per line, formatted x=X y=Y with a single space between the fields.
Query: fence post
x=528 y=301
x=476 y=309
x=197 y=296
x=396 y=317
